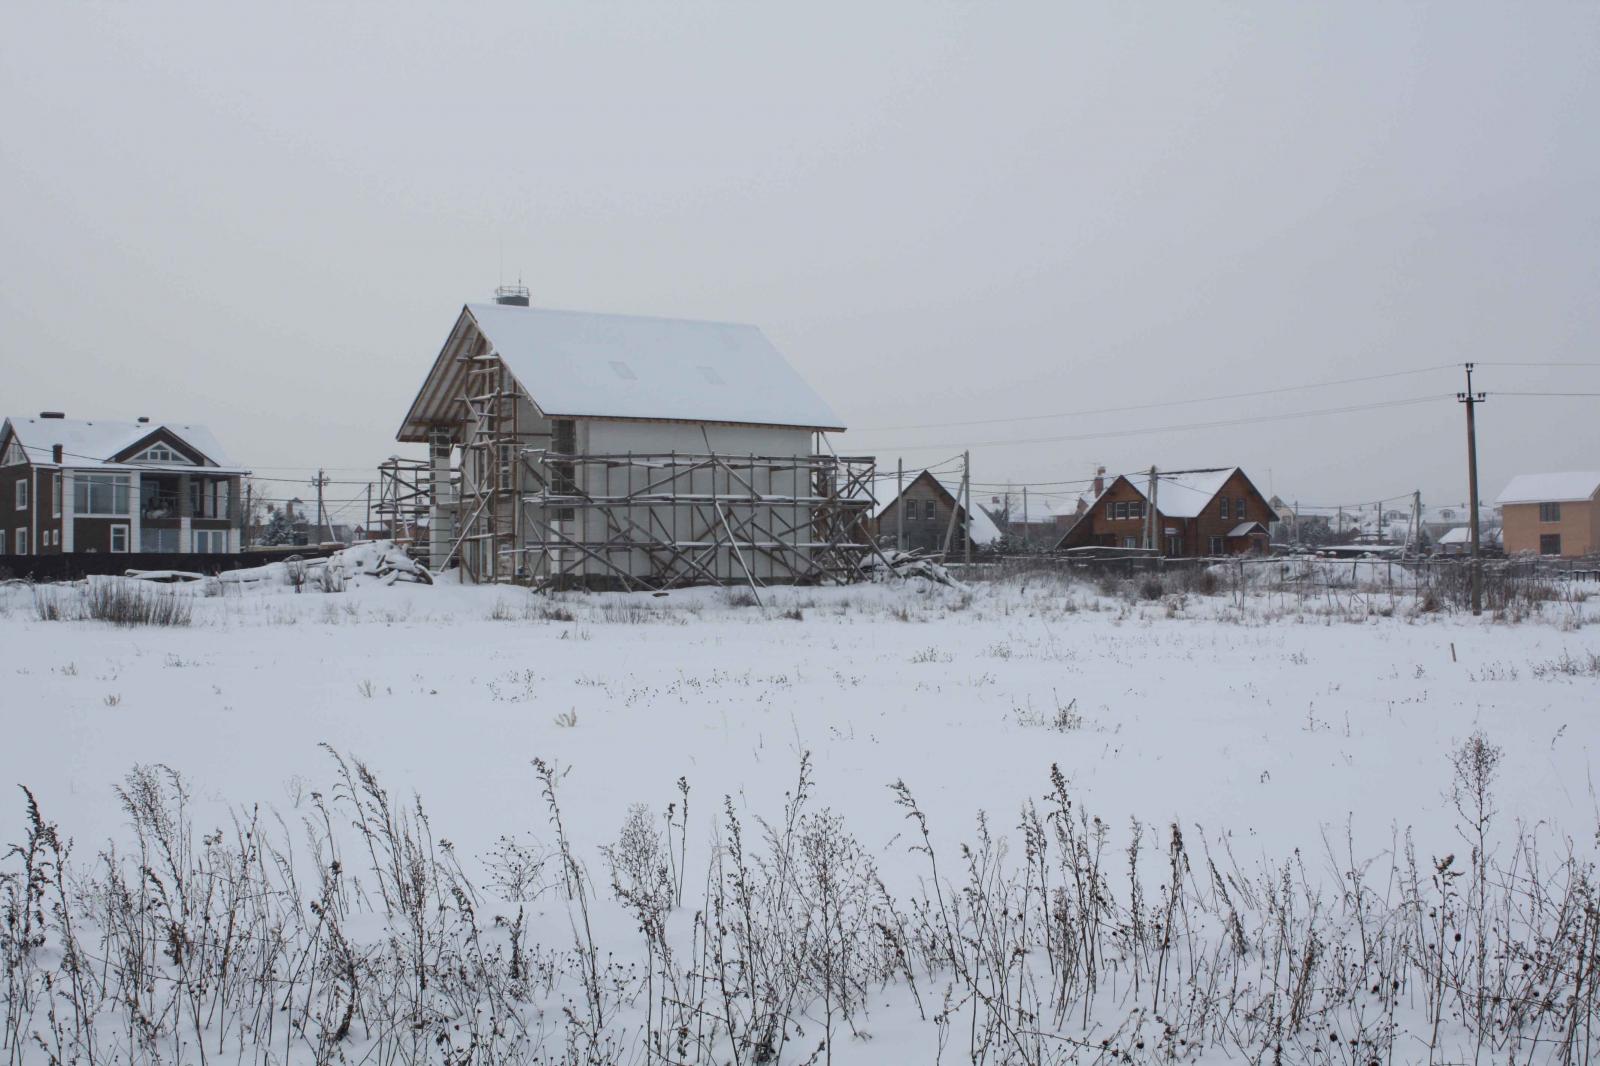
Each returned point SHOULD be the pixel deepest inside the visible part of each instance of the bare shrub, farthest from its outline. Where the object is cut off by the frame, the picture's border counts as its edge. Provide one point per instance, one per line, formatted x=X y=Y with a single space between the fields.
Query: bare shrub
x=122 y=603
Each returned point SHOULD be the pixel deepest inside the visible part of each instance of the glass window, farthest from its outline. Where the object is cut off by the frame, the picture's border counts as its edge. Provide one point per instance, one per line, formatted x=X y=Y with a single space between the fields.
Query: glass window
x=1224 y=507
x=208 y=498
x=1238 y=509
x=160 y=453
x=100 y=494
x=1549 y=544
x=21 y=542
x=119 y=538
x=1549 y=512
x=1216 y=543
x=153 y=539
x=22 y=496
x=55 y=495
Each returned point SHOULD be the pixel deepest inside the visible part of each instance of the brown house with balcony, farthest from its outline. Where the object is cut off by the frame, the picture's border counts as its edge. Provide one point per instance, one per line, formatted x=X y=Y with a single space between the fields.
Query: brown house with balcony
x=1552 y=514
x=1192 y=514
x=70 y=485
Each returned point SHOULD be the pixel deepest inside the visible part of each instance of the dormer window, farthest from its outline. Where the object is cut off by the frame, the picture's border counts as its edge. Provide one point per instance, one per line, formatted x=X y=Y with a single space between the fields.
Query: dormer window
x=160 y=453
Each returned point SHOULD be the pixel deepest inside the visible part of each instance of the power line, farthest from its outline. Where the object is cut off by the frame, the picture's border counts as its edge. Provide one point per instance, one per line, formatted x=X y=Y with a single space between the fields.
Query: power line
x=1498 y=392
x=1164 y=403
x=1185 y=426
x=1540 y=364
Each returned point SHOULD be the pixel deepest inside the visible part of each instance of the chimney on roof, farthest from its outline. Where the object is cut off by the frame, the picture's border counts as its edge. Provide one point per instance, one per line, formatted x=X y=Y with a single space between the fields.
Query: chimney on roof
x=512 y=295
x=56 y=452
x=52 y=414
x=1099 y=480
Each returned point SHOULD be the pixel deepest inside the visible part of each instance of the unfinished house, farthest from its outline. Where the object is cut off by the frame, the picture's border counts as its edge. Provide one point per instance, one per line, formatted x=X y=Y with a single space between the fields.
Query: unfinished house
x=568 y=449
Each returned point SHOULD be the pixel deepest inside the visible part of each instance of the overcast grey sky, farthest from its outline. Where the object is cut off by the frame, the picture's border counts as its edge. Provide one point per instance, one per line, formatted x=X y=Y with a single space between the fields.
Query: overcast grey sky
x=266 y=218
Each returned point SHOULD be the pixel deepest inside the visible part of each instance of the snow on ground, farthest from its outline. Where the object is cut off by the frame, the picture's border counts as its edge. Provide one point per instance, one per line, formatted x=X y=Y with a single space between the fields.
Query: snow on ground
x=1266 y=728
x=1269 y=721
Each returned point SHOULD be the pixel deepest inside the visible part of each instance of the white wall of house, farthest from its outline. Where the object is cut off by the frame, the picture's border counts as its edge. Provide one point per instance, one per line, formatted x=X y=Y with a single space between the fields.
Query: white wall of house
x=598 y=437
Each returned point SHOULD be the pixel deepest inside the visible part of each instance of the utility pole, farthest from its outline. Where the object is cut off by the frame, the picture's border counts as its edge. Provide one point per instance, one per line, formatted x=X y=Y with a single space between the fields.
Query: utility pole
x=1472 y=400
x=900 y=504
x=318 y=483
x=366 y=530
x=966 y=490
x=1027 y=533
x=249 y=516
x=1416 y=523
x=1150 y=513
x=1155 y=511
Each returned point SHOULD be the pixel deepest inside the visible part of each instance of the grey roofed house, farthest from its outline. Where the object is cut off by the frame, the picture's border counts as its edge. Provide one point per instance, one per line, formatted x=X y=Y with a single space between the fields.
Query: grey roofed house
x=576 y=364
x=570 y=447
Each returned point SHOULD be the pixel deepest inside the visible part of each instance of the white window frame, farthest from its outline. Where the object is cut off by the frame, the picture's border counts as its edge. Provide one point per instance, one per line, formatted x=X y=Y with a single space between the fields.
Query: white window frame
x=55 y=494
x=1238 y=509
x=1224 y=513
x=169 y=456
x=88 y=481
x=204 y=541
x=21 y=498
x=124 y=529
x=1216 y=546
x=19 y=540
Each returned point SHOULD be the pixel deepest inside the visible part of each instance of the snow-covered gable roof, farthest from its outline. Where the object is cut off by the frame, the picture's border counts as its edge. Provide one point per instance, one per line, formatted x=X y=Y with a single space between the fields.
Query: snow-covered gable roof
x=1177 y=495
x=983 y=529
x=1184 y=495
x=1551 y=488
x=93 y=442
x=579 y=364
x=1458 y=535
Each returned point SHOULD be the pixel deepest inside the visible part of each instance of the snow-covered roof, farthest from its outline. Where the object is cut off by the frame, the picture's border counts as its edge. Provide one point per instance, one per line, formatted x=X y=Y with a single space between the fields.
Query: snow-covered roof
x=93 y=442
x=1551 y=488
x=1184 y=495
x=1458 y=535
x=578 y=364
x=1244 y=529
x=982 y=528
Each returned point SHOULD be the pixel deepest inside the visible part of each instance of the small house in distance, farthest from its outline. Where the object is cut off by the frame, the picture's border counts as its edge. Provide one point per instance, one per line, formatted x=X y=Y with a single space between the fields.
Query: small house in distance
x=73 y=485
x=1196 y=513
x=927 y=505
x=1552 y=514
x=570 y=448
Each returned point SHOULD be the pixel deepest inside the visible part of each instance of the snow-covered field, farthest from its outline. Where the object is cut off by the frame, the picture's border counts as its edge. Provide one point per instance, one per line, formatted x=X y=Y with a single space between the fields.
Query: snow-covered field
x=1291 y=740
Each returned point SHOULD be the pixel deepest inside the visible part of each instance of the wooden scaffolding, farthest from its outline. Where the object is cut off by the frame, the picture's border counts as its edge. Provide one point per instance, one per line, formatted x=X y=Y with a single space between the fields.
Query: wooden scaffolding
x=404 y=502
x=524 y=503
x=674 y=519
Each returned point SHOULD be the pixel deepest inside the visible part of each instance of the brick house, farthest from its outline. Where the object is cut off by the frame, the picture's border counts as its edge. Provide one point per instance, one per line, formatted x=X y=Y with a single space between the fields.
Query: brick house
x=928 y=503
x=1214 y=512
x=70 y=485
x=1552 y=514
